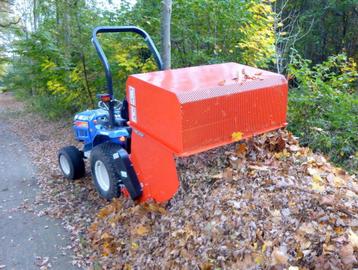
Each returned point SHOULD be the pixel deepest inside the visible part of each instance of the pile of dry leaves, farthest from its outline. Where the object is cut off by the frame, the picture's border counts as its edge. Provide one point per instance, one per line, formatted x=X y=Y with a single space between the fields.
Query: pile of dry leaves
x=261 y=203
x=257 y=204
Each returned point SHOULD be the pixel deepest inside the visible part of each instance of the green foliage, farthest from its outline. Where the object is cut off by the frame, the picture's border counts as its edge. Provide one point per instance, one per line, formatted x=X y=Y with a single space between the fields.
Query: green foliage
x=323 y=108
x=56 y=68
x=213 y=31
x=57 y=63
x=326 y=27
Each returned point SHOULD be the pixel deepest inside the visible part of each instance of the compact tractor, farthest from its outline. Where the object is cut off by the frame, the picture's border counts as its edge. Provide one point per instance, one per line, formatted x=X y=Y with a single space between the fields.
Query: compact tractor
x=132 y=144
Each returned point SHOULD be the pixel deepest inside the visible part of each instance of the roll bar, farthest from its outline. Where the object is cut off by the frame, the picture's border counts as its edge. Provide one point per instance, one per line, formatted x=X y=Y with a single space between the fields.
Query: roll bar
x=104 y=60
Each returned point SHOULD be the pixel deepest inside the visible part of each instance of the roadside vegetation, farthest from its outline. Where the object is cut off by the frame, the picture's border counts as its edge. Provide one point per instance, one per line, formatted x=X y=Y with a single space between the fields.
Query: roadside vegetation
x=323 y=107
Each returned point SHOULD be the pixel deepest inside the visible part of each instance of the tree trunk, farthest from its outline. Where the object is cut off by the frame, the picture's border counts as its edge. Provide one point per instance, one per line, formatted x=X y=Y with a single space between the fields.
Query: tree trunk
x=35 y=14
x=165 y=32
x=83 y=60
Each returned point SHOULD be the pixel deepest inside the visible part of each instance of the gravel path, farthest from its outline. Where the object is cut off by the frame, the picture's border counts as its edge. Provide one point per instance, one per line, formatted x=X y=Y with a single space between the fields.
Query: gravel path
x=27 y=241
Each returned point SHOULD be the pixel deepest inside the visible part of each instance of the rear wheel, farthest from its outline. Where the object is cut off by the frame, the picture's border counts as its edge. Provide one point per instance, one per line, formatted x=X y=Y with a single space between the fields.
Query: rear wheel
x=71 y=163
x=104 y=173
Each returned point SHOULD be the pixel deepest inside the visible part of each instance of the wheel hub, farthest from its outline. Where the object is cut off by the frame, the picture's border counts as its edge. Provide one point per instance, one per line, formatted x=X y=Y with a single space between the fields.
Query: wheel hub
x=102 y=175
x=65 y=165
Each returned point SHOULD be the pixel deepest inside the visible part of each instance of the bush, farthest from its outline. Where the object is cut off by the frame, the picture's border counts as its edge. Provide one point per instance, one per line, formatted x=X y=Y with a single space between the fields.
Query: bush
x=323 y=108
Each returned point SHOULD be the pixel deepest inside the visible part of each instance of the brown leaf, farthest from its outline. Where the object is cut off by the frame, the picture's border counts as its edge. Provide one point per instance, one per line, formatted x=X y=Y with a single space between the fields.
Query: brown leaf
x=347 y=255
x=108 y=248
x=93 y=228
x=241 y=149
x=279 y=257
x=228 y=174
x=280 y=144
x=217 y=176
x=222 y=83
x=258 y=168
x=307 y=228
x=141 y=230
x=105 y=211
x=106 y=236
x=353 y=239
x=206 y=266
x=155 y=207
x=294 y=148
x=327 y=200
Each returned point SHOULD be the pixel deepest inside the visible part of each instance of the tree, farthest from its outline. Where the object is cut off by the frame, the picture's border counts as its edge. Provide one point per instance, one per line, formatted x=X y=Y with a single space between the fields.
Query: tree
x=165 y=32
x=5 y=12
x=288 y=31
x=319 y=28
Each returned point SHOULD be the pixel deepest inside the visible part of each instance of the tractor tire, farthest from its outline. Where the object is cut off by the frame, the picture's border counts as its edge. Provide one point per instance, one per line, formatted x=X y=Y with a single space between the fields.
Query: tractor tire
x=104 y=174
x=71 y=163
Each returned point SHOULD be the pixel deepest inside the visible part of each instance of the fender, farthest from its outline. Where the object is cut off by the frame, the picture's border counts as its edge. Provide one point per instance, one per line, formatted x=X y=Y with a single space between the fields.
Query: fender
x=128 y=176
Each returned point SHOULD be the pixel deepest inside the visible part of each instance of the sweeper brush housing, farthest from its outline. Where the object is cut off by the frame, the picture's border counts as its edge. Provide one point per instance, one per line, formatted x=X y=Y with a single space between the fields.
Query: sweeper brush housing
x=185 y=111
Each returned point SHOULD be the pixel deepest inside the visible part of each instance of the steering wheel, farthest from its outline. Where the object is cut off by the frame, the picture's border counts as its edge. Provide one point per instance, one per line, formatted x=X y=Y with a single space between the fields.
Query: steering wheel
x=116 y=104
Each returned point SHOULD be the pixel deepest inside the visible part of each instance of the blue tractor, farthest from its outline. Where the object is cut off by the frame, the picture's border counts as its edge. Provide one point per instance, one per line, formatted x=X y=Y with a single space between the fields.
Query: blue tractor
x=105 y=134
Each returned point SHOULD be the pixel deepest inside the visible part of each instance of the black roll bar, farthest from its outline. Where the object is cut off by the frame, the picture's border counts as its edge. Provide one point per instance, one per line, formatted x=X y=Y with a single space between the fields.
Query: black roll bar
x=104 y=60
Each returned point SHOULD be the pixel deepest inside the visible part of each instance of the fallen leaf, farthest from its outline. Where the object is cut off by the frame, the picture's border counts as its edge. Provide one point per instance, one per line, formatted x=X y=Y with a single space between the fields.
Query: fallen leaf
x=108 y=248
x=155 y=207
x=279 y=257
x=228 y=174
x=106 y=236
x=93 y=228
x=327 y=200
x=105 y=211
x=307 y=228
x=206 y=266
x=241 y=149
x=339 y=230
x=221 y=83
x=283 y=154
x=317 y=187
x=127 y=266
x=347 y=254
x=217 y=176
x=353 y=239
x=312 y=171
x=276 y=214
x=317 y=179
x=259 y=259
x=338 y=181
x=330 y=178
x=237 y=136
x=258 y=168
x=281 y=144
x=294 y=148
x=141 y=230
x=134 y=245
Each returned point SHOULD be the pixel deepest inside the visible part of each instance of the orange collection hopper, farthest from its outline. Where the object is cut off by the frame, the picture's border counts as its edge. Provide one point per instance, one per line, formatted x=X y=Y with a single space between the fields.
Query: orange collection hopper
x=185 y=111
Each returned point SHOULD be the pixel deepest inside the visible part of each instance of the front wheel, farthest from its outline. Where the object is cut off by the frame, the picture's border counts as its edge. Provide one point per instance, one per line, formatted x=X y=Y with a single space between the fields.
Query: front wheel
x=71 y=163
x=104 y=174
